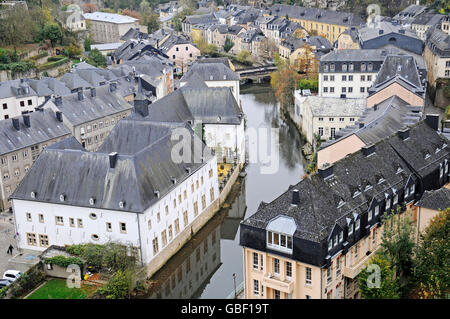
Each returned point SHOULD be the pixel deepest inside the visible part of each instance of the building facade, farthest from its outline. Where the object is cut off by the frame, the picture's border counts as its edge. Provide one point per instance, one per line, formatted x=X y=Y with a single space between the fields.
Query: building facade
x=109 y=27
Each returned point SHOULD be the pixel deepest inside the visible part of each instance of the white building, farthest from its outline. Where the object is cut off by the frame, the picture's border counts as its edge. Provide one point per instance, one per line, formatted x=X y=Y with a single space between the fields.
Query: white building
x=325 y=116
x=109 y=27
x=349 y=73
x=132 y=193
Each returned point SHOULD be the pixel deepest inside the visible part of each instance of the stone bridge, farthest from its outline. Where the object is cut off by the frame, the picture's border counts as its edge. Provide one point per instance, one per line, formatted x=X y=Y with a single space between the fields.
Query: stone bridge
x=256 y=74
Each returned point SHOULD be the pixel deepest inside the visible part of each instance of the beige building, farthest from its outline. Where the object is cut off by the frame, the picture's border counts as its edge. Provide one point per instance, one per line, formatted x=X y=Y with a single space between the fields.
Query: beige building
x=91 y=114
x=109 y=27
x=431 y=203
x=23 y=138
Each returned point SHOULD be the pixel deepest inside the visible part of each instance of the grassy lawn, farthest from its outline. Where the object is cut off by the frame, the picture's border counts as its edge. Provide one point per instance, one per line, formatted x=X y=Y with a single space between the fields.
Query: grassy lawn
x=57 y=289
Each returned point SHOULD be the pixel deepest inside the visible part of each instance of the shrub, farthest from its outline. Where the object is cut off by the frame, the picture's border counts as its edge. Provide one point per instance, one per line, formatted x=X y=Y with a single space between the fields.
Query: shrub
x=39 y=56
x=64 y=261
x=51 y=65
x=119 y=286
x=55 y=58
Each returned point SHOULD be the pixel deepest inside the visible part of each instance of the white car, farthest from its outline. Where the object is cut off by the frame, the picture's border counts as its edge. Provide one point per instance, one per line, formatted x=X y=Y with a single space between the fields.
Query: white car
x=12 y=275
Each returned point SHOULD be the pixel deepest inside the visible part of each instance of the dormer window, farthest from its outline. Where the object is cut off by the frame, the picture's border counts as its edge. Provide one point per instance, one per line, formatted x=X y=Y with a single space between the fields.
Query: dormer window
x=412 y=189
x=350 y=229
x=91 y=201
x=121 y=204
x=427 y=155
x=377 y=210
x=357 y=224
x=388 y=204
x=441 y=170
x=279 y=241
x=437 y=150
x=341 y=203
x=363 y=66
x=399 y=170
x=395 y=199
x=332 y=67
x=356 y=193
x=335 y=240
x=344 y=67
x=369 y=217
x=341 y=236
x=330 y=244
x=325 y=67
x=62 y=198
x=368 y=186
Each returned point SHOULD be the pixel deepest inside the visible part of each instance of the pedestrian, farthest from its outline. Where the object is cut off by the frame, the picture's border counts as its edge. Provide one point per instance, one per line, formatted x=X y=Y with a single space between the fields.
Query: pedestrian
x=10 y=249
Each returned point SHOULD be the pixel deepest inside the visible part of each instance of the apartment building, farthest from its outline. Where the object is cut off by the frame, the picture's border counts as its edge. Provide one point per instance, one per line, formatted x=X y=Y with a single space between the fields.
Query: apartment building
x=218 y=34
x=91 y=114
x=127 y=192
x=294 y=49
x=312 y=241
x=376 y=124
x=349 y=73
x=17 y=97
x=109 y=27
x=431 y=203
x=329 y=24
x=422 y=23
x=437 y=52
x=180 y=51
x=325 y=116
x=22 y=139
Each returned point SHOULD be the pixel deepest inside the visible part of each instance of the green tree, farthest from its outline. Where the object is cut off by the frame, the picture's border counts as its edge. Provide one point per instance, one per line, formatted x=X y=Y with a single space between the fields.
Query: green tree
x=119 y=286
x=244 y=57
x=87 y=44
x=432 y=263
x=388 y=283
x=153 y=23
x=398 y=241
x=52 y=32
x=96 y=58
x=228 y=44
x=72 y=50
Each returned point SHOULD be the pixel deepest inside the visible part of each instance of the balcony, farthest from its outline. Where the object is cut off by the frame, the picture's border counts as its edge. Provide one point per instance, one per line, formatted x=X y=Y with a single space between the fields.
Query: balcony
x=278 y=284
x=353 y=271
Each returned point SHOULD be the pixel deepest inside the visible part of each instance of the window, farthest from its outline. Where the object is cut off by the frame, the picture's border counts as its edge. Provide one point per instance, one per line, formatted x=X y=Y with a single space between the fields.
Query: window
x=350 y=229
x=255 y=261
x=22 y=103
x=184 y=194
x=177 y=226
x=333 y=133
x=331 y=119
x=362 y=89
x=195 y=209
x=320 y=131
x=363 y=66
x=31 y=239
x=155 y=246
x=59 y=220
x=41 y=218
x=308 y=281
x=203 y=201
x=352 y=119
x=341 y=236
x=325 y=89
x=325 y=77
x=149 y=223
x=350 y=89
x=288 y=269
x=28 y=217
x=338 y=266
x=93 y=216
x=332 y=89
x=123 y=228
x=276 y=294
x=108 y=227
x=167 y=210
x=357 y=224
x=255 y=287
x=280 y=242
x=171 y=232
x=388 y=203
x=369 y=78
x=14 y=158
x=4 y=161
x=344 y=90
x=320 y=119
x=185 y=218
x=356 y=251
x=276 y=266
x=158 y=216
x=377 y=210
x=329 y=276
x=344 y=78
x=369 y=218
x=331 y=77
x=80 y=223
x=211 y=193
x=5 y=106
x=71 y=222
x=43 y=240
x=395 y=199
x=164 y=238
x=374 y=236
x=25 y=154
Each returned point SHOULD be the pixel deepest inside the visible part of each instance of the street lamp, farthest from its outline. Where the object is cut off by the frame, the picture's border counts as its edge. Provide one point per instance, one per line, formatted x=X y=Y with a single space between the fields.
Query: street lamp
x=234 y=279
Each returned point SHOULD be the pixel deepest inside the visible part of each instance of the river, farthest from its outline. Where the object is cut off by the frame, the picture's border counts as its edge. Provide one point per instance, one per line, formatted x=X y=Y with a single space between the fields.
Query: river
x=204 y=267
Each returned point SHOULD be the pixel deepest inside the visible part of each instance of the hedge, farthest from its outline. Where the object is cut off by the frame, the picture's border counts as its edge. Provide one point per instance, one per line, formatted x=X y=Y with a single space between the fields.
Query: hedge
x=50 y=65
x=55 y=58
x=18 y=67
x=39 y=56
x=64 y=261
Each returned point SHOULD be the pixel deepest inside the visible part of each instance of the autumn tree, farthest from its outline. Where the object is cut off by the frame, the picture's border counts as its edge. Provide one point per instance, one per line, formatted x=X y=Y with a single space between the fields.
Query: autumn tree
x=432 y=262
x=284 y=81
x=152 y=22
x=131 y=13
x=89 y=7
x=244 y=57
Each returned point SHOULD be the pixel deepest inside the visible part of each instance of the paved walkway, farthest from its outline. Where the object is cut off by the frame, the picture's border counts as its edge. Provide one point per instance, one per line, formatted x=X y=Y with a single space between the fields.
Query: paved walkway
x=16 y=261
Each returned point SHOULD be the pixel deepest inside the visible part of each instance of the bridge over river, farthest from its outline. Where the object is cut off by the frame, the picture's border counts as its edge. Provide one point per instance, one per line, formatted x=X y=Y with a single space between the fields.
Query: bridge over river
x=257 y=74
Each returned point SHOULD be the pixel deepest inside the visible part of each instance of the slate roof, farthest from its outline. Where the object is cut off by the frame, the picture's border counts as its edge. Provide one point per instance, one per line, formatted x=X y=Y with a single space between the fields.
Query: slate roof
x=139 y=173
x=315 y=14
x=16 y=88
x=195 y=103
x=429 y=19
x=173 y=40
x=109 y=17
x=319 y=211
x=211 y=72
x=436 y=199
x=438 y=42
x=370 y=33
x=200 y=19
x=44 y=126
x=330 y=106
x=401 y=69
x=105 y=103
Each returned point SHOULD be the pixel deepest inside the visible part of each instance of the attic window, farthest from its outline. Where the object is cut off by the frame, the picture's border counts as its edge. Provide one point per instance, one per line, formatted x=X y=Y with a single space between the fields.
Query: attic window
x=437 y=150
x=341 y=236
x=356 y=193
x=399 y=170
x=91 y=201
x=62 y=197
x=427 y=155
x=368 y=186
x=341 y=203
x=381 y=180
x=357 y=225
x=33 y=195
x=350 y=229
x=93 y=216
x=121 y=204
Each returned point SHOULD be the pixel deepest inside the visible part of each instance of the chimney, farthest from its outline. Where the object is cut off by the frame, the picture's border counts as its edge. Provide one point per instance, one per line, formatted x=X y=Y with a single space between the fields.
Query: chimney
x=433 y=121
x=58 y=100
x=26 y=120
x=59 y=116
x=368 y=150
x=16 y=124
x=403 y=134
x=361 y=124
x=140 y=101
x=80 y=95
x=112 y=86
x=295 y=197
x=112 y=159
x=326 y=170
x=93 y=92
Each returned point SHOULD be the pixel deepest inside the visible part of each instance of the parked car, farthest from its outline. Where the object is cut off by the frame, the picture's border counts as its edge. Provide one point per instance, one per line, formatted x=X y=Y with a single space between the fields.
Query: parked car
x=12 y=275
x=4 y=283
